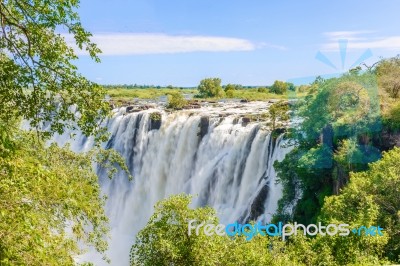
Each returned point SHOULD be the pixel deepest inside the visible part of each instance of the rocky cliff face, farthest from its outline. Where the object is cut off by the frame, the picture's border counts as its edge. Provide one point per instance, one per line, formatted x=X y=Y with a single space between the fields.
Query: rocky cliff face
x=387 y=140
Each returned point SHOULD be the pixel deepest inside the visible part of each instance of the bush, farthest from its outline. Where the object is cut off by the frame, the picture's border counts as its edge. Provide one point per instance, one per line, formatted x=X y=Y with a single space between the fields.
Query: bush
x=303 y=88
x=392 y=119
x=156 y=116
x=44 y=190
x=229 y=94
x=388 y=72
x=210 y=87
x=176 y=101
x=371 y=198
x=278 y=112
x=232 y=87
x=262 y=89
x=279 y=87
x=165 y=241
x=291 y=86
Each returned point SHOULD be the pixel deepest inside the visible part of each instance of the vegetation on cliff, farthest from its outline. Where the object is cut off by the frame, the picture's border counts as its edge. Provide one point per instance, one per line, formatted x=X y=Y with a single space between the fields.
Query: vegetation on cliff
x=341 y=170
x=51 y=208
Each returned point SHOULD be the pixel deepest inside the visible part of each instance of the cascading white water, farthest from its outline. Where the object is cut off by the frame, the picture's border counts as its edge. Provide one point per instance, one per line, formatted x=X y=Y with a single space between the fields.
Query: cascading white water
x=208 y=152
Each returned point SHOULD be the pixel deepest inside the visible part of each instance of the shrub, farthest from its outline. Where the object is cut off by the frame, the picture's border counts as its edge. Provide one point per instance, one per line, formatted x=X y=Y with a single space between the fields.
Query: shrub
x=392 y=119
x=210 y=87
x=176 y=101
x=262 y=89
x=229 y=94
x=279 y=87
x=156 y=116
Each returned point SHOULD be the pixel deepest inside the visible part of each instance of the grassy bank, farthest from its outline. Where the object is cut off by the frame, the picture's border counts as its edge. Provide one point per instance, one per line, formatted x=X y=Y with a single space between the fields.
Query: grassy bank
x=122 y=94
x=126 y=95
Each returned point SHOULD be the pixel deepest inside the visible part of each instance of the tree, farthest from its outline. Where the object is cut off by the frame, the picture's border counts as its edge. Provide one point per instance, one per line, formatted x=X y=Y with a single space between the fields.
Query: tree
x=176 y=100
x=372 y=198
x=279 y=87
x=262 y=89
x=165 y=241
x=388 y=72
x=165 y=238
x=278 y=112
x=355 y=71
x=291 y=86
x=318 y=81
x=38 y=80
x=392 y=118
x=44 y=191
x=230 y=94
x=210 y=87
x=230 y=86
x=50 y=202
x=339 y=109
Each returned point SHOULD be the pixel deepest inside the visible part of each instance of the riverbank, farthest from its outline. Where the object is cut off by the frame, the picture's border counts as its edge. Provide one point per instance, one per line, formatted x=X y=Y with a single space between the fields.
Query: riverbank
x=124 y=96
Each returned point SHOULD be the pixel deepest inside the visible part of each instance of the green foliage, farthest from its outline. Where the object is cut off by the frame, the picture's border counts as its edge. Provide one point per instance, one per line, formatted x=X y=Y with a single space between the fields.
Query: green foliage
x=316 y=158
x=120 y=95
x=156 y=116
x=229 y=87
x=372 y=198
x=350 y=104
x=110 y=160
x=289 y=179
x=176 y=101
x=262 y=89
x=356 y=70
x=43 y=193
x=165 y=241
x=305 y=171
x=350 y=101
x=291 y=87
x=324 y=164
x=392 y=118
x=352 y=157
x=279 y=87
x=318 y=81
x=50 y=202
x=303 y=88
x=126 y=95
x=388 y=72
x=7 y=145
x=229 y=94
x=278 y=113
x=340 y=109
x=252 y=94
x=38 y=80
x=210 y=87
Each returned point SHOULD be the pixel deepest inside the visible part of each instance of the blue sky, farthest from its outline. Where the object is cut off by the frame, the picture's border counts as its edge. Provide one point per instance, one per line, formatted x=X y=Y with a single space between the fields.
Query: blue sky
x=246 y=42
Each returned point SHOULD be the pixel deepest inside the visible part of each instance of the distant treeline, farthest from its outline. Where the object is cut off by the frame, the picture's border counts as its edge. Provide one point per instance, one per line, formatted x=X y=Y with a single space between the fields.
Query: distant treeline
x=136 y=86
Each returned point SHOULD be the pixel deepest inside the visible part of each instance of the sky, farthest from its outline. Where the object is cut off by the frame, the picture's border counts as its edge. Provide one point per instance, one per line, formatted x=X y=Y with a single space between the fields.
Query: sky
x=253 y=42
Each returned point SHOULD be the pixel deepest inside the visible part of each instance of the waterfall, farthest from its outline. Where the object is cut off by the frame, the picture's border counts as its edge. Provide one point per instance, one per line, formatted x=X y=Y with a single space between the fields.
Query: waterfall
x=214 y=153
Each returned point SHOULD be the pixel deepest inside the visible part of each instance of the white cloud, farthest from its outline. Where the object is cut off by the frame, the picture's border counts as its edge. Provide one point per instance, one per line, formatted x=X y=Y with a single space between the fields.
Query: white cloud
x=360 y=40
x=269 y=45
x=389 y=43
x=347 y=35
x=136 y=44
